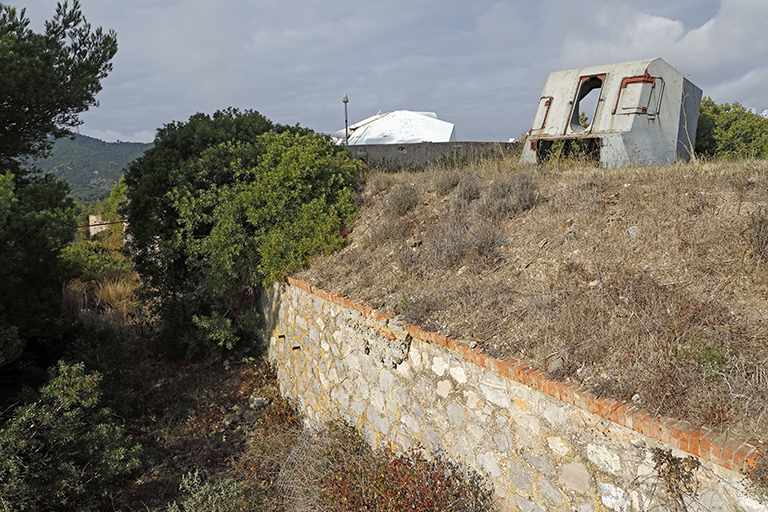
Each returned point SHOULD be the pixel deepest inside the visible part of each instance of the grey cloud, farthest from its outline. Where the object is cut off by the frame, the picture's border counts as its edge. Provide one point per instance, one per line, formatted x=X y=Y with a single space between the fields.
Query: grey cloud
x=480 y=65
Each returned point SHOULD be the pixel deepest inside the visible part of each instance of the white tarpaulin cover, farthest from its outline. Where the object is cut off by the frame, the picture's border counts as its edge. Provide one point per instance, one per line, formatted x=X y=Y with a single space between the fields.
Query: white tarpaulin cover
x=399 y=127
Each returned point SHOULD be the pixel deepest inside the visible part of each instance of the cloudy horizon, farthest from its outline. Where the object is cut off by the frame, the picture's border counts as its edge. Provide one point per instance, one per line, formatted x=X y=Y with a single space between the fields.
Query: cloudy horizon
x=479 y=65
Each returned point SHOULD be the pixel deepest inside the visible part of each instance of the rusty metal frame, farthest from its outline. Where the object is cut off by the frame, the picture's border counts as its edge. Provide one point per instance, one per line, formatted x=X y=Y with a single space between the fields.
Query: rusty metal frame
x=646 y=78
x=583 y=79
x=548 y=104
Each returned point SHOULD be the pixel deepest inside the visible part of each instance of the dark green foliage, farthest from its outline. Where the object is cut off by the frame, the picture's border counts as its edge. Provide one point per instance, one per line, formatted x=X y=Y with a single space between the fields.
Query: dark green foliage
x=47 y=79
x=36 y=222
x=90 y=166
x=731 y=130
x=223 y=205
x=63 y=451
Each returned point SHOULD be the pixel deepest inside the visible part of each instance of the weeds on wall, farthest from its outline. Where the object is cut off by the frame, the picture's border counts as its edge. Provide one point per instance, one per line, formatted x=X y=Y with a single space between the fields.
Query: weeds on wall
x=758 y=476
x=672 y=486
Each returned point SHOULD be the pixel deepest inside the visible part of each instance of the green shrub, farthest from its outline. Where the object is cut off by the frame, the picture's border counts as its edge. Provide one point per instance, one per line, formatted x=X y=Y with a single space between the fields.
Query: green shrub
x=90 y=260
x=245 y=214
x=63 y=451
x=730 y=130
x=223 y=495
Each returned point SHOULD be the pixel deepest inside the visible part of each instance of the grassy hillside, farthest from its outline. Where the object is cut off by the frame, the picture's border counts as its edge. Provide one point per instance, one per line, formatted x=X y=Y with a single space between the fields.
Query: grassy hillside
x=91 y=166
x=643 y=284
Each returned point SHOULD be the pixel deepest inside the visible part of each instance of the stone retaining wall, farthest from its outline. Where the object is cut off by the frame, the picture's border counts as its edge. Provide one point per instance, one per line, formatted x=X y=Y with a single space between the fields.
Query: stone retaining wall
x=419 y=155
x=544 y=445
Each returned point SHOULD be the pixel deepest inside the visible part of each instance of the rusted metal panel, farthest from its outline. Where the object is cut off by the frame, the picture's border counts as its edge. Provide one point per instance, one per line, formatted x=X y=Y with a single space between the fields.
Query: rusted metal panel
x=645 y=113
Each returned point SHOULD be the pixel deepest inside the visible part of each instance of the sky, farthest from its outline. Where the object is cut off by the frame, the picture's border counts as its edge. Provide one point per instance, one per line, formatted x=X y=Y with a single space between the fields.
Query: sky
x=480 y=65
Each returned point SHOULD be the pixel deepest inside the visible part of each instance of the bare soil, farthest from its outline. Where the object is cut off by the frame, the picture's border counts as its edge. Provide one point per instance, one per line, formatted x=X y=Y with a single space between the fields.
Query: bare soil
x=645 y=284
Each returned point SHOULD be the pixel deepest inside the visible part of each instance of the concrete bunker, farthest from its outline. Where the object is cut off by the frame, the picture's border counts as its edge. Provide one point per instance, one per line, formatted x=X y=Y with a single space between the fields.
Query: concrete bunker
x=641 y=112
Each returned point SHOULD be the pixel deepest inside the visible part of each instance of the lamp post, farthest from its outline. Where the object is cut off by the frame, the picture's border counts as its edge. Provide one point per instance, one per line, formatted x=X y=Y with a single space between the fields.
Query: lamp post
x=345 y=100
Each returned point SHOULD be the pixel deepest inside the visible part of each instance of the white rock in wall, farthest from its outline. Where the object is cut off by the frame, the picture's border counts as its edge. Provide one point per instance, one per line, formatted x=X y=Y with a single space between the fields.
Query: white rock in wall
x=444 y=388
x=604 y=458
x=489 y=463
x=614 y=498
x=439 y=365
x=459 y=375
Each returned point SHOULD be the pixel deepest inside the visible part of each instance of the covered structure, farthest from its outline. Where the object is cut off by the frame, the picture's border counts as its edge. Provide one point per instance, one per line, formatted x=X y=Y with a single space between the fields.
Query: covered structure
x=642 y=112
x=399 y=127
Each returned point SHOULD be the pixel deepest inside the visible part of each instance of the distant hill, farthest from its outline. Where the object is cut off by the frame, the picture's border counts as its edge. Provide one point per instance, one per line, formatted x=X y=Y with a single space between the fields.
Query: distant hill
x=90 y=166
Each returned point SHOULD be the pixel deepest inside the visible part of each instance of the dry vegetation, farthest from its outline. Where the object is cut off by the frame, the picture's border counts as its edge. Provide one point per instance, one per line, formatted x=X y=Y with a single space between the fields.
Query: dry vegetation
x=645 y=284
x=218 y=436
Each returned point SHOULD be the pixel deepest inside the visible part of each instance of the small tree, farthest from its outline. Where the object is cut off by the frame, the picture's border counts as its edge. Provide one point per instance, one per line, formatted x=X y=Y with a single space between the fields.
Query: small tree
x=207 y=229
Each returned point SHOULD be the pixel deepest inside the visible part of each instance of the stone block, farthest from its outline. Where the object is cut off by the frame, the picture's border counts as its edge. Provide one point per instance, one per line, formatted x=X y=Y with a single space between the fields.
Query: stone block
x=604 y=458
x=385 y=380
x=458 y=374
x=503 y=442
x=527 y=505
x=540 y=462
x=444 y=388
x=575 y=476
x=519 y=477
x=378 y=423
x=549 y=490
x=614 y=497
x=456 y=414
x=489 y=463
x=439 y=365
x=410 y=422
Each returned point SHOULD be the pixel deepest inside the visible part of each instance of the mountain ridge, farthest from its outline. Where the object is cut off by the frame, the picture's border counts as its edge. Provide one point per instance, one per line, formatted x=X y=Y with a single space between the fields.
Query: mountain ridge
x=92 y=167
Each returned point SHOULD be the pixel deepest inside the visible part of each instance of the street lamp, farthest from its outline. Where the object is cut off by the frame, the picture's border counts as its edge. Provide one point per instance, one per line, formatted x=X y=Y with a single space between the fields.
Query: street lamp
x=345 y=100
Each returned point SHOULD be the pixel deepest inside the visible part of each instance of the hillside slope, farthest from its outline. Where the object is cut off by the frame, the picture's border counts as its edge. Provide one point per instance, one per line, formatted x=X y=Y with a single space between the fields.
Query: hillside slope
x=643 y=284
x=91 y=166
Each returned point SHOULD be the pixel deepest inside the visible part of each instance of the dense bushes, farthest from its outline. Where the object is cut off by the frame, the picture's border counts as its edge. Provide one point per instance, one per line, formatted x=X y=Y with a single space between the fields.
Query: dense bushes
x=731 y=130
x=63 y=450
x=209 y=227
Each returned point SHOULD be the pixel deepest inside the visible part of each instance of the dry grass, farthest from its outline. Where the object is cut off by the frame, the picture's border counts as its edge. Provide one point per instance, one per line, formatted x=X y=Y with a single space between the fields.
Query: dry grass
x=116 y=295
x=644 y=283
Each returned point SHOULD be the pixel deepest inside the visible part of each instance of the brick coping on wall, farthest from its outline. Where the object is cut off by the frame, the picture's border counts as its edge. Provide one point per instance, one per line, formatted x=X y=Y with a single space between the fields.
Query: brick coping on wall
x=734 y=453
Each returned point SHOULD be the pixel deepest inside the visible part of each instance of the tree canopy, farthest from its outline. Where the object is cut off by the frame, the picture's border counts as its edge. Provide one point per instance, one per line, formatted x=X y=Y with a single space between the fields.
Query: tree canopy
x=224 y=204
x=731 y=130
x=48 y=79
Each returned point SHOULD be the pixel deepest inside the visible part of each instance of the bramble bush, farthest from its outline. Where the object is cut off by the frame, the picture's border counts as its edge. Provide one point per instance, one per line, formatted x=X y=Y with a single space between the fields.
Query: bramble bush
x=63 y=451
x=354 y=477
